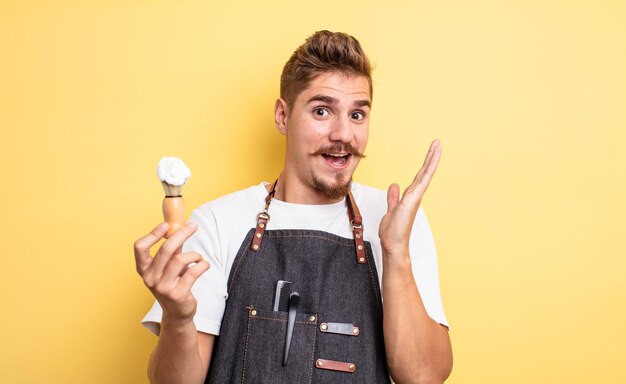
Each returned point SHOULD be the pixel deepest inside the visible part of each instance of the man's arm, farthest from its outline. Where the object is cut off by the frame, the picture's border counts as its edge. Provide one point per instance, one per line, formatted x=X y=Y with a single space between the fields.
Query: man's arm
x=418 y=349
x=182 y=355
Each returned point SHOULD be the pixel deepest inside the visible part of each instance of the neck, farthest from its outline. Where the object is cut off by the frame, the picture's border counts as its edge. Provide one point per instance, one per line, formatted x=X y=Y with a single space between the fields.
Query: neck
x=292 y=190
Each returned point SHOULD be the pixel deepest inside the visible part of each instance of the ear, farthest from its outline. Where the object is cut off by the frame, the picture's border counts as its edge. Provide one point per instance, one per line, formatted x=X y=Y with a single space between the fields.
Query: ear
x=281 y=114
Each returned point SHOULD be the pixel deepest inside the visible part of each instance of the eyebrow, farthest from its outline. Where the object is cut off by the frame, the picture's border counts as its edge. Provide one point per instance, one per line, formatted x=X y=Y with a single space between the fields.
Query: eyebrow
x=332 y=100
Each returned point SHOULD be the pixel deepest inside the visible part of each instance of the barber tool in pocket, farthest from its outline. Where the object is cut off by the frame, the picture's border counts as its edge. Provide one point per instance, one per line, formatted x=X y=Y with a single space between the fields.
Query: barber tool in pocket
x=286 y=300
x=281 y=296
x=294 y=301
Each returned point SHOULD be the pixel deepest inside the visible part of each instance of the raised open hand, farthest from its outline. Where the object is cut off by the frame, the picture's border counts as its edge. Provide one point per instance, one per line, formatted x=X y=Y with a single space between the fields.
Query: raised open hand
x=395 y=226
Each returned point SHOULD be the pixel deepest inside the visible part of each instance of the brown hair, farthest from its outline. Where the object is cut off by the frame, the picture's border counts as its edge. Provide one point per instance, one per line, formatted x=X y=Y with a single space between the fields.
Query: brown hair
x=324 y=51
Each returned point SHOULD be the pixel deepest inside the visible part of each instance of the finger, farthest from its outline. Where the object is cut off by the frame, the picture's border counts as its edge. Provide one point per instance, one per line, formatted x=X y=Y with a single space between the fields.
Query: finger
x=190 y=277
x=428 y=159
x=422 y=179
x=393 y=196
x=432 y=167
x=170 y=248
x=431 y=150
x=435 y=147
x=178 y=265
x=420 y=173
x=142 y=246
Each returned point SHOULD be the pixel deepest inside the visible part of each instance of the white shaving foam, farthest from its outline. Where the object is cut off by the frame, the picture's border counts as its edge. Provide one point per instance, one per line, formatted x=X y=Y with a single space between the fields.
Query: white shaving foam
x=173 y=171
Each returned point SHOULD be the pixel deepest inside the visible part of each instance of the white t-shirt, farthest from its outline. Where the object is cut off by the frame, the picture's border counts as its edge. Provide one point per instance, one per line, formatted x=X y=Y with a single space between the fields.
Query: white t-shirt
x=223 y=224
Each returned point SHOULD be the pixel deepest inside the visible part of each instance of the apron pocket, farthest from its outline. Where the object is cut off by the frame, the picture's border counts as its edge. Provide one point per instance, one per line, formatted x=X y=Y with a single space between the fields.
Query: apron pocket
x=265 y=344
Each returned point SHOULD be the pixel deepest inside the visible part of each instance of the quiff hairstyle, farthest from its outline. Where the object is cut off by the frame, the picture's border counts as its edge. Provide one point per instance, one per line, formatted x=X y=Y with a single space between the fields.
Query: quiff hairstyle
x=324 y=51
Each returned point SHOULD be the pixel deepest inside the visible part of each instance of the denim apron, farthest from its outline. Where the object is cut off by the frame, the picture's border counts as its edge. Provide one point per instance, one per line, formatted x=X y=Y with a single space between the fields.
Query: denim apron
x=337 y=335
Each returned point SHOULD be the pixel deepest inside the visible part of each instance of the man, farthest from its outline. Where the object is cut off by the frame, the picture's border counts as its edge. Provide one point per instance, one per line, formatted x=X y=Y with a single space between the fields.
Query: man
x=345 y=248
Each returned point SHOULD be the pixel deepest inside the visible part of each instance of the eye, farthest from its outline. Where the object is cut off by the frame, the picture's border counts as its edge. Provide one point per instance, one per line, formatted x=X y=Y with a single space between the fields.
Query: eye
x=358 y=115
x=321 y=112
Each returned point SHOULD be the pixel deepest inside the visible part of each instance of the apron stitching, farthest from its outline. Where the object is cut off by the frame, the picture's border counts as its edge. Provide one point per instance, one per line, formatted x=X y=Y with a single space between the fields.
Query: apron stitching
x=245 y=353
x=313 y=351
x=374 y=282
x=239 y=264
x=284 y=320
x=314 y=236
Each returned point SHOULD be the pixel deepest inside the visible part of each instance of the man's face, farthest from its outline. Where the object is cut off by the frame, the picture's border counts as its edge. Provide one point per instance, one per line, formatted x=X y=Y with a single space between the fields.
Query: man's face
x=327 y=131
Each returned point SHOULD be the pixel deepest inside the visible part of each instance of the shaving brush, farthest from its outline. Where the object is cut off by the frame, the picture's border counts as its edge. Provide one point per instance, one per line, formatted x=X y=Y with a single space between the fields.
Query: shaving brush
x=173 y=174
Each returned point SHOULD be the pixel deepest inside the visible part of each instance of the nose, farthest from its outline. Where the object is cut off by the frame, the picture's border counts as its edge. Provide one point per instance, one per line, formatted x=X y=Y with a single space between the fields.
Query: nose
x=341 y=130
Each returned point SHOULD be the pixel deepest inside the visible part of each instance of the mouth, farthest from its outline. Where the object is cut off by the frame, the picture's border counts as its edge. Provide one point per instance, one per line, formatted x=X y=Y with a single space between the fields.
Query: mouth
x=337 y=160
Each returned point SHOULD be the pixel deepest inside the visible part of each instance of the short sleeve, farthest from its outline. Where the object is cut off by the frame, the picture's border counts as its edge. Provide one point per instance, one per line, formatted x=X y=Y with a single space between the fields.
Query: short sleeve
x=425 y=269
x=210 y=289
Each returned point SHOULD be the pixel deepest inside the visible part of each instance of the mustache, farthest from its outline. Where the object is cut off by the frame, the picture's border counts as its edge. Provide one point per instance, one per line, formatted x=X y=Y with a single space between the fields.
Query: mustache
x=340 y=148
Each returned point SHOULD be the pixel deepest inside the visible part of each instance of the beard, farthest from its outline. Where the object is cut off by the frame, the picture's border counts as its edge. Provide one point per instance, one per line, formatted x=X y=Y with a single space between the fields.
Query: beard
x=333 y=190
x=338 y=188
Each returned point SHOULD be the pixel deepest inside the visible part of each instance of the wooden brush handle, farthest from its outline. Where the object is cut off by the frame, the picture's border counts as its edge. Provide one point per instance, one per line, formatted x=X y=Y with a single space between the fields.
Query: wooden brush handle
x=174 y=214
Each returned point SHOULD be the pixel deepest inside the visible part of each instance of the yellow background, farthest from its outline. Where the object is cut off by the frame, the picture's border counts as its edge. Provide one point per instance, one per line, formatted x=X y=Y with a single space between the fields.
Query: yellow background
x=527 y=207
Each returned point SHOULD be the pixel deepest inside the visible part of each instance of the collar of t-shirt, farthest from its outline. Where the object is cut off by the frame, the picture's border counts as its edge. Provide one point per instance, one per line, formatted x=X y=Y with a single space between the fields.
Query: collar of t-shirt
x=332 y=218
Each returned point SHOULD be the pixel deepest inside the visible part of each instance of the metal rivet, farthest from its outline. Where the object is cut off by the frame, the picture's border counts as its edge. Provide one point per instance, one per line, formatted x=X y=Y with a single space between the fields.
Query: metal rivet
x=362 y=259
x=358 y=236
x=360 y=247
x=352 y=367
x=258 y=235
x=312 y=318
x=261 y=225
x=324 y=327
x=319 y=363
x=355 y=330
x=255 y=247
x=253 y=312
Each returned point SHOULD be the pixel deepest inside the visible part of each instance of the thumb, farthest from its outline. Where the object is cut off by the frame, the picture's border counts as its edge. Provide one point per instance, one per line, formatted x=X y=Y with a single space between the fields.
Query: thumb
x=393 y=196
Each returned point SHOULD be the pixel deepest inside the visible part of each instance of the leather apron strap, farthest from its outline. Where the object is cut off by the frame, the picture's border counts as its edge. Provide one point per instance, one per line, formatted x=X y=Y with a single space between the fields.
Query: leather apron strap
x=261 y=220
x=356 y=222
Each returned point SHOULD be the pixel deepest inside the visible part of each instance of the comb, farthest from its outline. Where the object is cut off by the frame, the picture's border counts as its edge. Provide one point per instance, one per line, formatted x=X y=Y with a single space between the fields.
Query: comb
x=281 y=296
